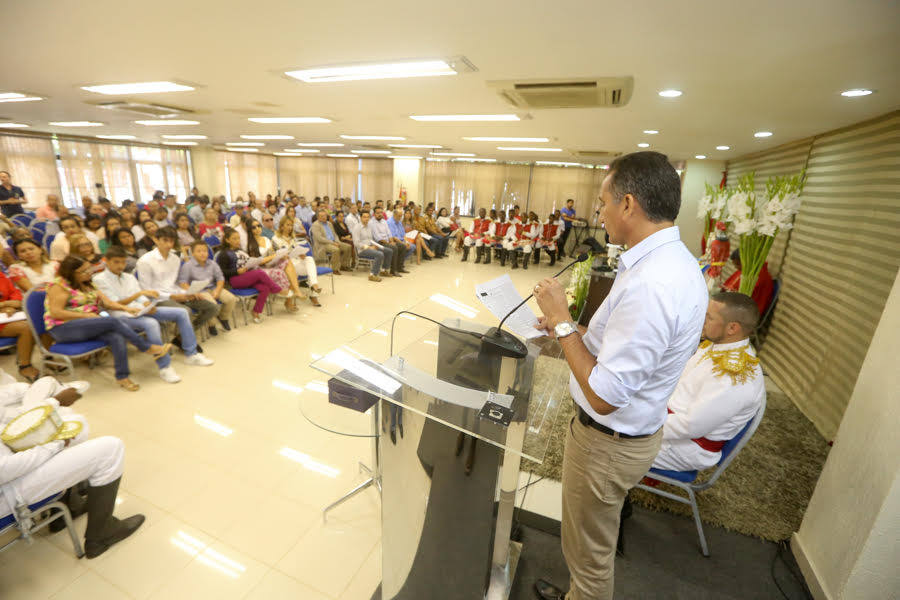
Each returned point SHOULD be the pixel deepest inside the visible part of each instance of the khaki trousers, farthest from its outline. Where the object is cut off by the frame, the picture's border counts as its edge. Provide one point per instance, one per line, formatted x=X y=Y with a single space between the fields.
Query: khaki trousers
x=598 y=471
x=228 y=301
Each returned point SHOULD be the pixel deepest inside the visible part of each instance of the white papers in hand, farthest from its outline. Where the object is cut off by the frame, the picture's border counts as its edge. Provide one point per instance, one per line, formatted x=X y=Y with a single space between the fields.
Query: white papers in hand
x=16 y=316
x=280 y=254
x=197 y=286
x=299 y=251
x=146 y=309
x=500 y=296
x=252 y=262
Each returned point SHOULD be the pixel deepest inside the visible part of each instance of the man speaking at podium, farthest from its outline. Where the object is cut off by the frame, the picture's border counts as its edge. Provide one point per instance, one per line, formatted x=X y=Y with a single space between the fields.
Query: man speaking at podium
x=625 y=364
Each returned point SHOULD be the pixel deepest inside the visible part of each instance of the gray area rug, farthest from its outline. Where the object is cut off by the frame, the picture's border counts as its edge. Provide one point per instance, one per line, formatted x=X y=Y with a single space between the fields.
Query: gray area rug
x=763 y=493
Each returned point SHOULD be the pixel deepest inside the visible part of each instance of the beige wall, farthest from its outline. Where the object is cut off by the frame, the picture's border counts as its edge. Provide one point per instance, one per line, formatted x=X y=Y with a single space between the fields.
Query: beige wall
x=849 y=541
x=408 y=173
x=697 y=173
x=203 y=161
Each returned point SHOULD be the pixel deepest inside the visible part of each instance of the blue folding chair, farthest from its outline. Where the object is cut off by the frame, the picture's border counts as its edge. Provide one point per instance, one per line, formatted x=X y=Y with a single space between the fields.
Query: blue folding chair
x=29 y=520
x=685 y=479
x=58 y=354
x=22 y=220
x=244 y=296
x=48 y=239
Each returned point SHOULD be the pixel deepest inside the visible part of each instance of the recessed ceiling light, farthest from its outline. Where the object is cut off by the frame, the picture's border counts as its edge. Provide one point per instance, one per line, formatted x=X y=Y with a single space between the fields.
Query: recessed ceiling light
x=527 y=149
x=116 y=137
x=17 y=97
x=700 y=156
x=404 y=157
x=453 y=154
x=370 y=151
x=244 y=144
x=490 y=160
x=557 y=164
x=392 y=70
x=508 y=139
x=603 y=167
x=651 y=131
x=232 y=149
x=414 y=146
x=152 y=122
x=147 y=87
x=342 y=155
x=301 y=150
x=856 y=93
x=180 y=143
x=184 y=137
x=76 y=123
x=723 y=147
x=320 y=144
x=506 y=117
x=643 y=145
x=762 y=134
x=13 y=125
x=670 y=93
x=289 y=120
x=287 y=154
x=267 y=137
x=392 y=138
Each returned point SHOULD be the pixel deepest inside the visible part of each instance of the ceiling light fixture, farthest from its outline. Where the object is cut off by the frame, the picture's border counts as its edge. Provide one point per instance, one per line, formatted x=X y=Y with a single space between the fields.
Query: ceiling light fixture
x=232 y=149
x=301 y=150
x=723 y=147
x=370 y=151
x=392 y=70
x=700 y=156
x=289 y=120
x=527 y=149
x=762 y=134
x=184 y=137
x=453 y=154
x=287 y=154
x=267 y=137
x=147 y=87
x=651 y=131
x=17 y=97
x=643 y=145
x=507 y=139
x=320 y=144
x=406 y=157
x=670 y=93
x=391 y=138
x=856 y=93
x=76 y=123
x=13 y=125
x=457 y=118
x=244 y=144
x=154 y=122
x=179 y=143
x=342 y=155
x=414 y=146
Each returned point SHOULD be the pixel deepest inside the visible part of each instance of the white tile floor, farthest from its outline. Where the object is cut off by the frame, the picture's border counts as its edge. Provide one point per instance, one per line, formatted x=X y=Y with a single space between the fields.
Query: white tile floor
x=228 y=516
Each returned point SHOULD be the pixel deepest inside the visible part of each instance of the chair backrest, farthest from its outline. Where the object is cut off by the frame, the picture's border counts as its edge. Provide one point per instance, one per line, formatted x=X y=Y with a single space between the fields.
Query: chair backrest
x=733 y=446
x=22 y=220
x=34 y=310
x=48 y=239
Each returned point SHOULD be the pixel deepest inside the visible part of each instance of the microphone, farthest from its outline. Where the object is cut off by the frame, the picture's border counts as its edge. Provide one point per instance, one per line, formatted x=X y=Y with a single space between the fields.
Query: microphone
x=506 y=344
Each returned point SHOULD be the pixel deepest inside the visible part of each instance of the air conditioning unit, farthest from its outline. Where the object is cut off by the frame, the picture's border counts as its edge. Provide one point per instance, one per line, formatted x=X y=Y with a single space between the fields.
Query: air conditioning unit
x=597 y=92
x=143 y=109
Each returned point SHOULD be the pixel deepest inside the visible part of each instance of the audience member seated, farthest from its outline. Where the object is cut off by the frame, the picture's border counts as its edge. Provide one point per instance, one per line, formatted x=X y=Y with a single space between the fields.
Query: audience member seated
x=34 y=474
x=534 y=229
x=185 y=231
x=231 y=258
x=161 y=217
x=425 y=224
x=34 y=268
x=367 y=247
x=268 y=225
x=326 y=242
x=279 y=268
x=518 y=242
x=762 y=291
x=443 y=221
x=125 y=240
x=381 y=233
x=59 y=248
x=352 y=218
x=10 y=304
x=148 y=240
x=93 y=229
x=82 y=246
x=199 y=268
x=51 y=210
x=304 y=212
x=720 y=390
x=480 y=232
x=211 y=224
x=395 y=226
x=409 y=225
x=158 y=270
x=238 y=217
x=171 y=206
x=72 y=314
x=111 y=222
x=138 y=228
x=124 y=288
x=303 y=264
x=197 y=212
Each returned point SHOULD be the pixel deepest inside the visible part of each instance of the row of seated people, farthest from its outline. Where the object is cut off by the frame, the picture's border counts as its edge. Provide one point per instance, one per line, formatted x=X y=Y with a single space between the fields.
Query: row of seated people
x=517 y=237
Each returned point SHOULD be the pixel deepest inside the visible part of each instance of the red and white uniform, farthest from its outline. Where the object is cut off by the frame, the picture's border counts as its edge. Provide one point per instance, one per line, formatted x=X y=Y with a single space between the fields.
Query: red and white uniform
x=517 y=236
x=551 y=233
x=534 y=232
x=516 y=219
x=479 y=230
x=500 y=230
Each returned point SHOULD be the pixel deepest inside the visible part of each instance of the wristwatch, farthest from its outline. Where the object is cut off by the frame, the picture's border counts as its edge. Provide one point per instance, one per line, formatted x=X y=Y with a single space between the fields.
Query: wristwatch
x=565 y=328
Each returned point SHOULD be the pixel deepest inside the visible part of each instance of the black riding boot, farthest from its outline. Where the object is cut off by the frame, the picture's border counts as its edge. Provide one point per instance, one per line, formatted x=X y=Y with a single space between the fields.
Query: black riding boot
x=503 y=253
x=479 y=252
x=465 y=256
x=515 y=258
x=552 y=254
x=537 y=255
x=103 y=529
x=525 y=261
x=488 y=250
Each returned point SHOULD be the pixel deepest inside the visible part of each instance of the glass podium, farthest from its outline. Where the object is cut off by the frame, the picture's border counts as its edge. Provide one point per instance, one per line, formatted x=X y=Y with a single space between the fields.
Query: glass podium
x=452 y=420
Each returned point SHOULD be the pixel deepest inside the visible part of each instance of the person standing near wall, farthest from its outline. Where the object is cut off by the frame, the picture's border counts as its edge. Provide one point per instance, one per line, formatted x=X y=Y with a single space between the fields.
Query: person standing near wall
x=568 y=217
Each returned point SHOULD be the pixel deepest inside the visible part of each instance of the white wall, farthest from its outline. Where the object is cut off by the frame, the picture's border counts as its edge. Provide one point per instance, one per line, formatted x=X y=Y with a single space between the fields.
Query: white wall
x=203 y=161
x=697 y=173
x=409 y=173
x=849 y=541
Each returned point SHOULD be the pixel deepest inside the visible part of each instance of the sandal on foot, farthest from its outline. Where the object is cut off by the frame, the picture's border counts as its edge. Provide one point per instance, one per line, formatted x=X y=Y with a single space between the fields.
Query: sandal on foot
x=28 y=378
x=161 y=353
x=314 y=301
x=128 y=385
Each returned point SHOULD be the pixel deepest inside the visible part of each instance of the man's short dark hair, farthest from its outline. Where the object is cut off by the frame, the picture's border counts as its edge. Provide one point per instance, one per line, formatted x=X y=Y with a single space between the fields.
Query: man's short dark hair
x=739 y=308
x=114 y=251
x=196 y=243
x=567 y=201
x=69 y=218
x=651 y=179
x=167 y=233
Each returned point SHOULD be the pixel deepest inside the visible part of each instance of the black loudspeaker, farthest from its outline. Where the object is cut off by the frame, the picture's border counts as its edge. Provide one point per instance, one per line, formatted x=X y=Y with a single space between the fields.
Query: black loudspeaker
x=595 y=246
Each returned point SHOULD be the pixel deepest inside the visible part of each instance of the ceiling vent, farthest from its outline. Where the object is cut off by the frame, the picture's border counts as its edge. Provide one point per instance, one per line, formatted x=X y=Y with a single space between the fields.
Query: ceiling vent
x=143 y=109
x=600 y=92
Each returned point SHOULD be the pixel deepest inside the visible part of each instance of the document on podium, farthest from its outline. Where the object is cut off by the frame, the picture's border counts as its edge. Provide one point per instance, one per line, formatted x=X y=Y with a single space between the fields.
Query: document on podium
x=500 y=296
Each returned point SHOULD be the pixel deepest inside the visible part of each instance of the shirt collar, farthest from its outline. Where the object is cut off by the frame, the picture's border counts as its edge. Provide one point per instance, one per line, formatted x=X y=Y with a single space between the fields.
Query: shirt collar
x=731 y=346
x=632 y=256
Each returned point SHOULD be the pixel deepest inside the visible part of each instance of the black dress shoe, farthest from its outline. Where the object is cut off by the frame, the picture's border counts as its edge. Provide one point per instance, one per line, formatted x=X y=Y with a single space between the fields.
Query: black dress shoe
x=547 y=591
x=225 y=324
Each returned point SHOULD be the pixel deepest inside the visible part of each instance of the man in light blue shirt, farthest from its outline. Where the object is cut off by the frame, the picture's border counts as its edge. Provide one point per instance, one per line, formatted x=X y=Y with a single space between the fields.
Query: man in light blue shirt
x=625 y=364
x=304 y=212
x=395 y=225
x=381 y=231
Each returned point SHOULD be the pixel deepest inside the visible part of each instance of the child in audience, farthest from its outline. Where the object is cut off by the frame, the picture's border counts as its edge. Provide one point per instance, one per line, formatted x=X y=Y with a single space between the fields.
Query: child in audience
x=138 y=228
x=110 y=223
x=199 y=268
x=231 y=259
x=211 y=224
x=185 y=232
x=34 y=267
x=303 y=265
x=148 y=241
x=125 y=240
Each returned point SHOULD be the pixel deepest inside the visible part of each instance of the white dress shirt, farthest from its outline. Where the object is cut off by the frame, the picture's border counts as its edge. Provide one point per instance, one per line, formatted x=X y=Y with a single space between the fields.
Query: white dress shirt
x=351 y=221
x=362 y=238
x=118 y=287
x=161 y=274
x=380 y=230
x=644 y=333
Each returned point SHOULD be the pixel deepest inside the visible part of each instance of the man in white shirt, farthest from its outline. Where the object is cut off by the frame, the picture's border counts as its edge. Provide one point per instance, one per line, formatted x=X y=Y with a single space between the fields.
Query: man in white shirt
x=352 y=218
x=238 y=215
x=625 y=364
x=158 y=270
x=720 y=390
x=382 y=234
x=124 y=288
x=367 y=247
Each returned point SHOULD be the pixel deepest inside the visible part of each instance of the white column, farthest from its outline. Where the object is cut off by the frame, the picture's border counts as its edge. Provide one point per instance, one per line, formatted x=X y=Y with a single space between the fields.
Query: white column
x=409 y=174
x=697 y=173
x=203 y=160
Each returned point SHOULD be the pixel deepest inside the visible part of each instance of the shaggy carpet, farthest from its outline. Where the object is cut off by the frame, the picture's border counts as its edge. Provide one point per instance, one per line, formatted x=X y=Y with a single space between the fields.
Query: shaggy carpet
x=763 y=493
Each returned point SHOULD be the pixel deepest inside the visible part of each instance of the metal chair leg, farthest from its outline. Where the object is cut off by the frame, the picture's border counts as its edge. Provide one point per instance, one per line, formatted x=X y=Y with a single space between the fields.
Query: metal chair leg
x=703 y=547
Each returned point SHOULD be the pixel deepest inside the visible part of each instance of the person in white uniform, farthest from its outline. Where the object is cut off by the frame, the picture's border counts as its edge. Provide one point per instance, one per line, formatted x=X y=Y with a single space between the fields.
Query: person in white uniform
x=720 y=390
x=31 y=475
x=625 y=364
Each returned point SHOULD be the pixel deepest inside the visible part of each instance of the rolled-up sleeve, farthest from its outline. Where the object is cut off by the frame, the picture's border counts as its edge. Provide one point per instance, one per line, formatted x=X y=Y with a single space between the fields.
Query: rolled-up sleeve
x=636 y=336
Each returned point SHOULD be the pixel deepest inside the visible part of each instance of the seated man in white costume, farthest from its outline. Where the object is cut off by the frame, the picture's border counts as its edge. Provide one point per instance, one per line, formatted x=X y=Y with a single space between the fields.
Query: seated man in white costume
x=31 y=475
x=720 y=390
